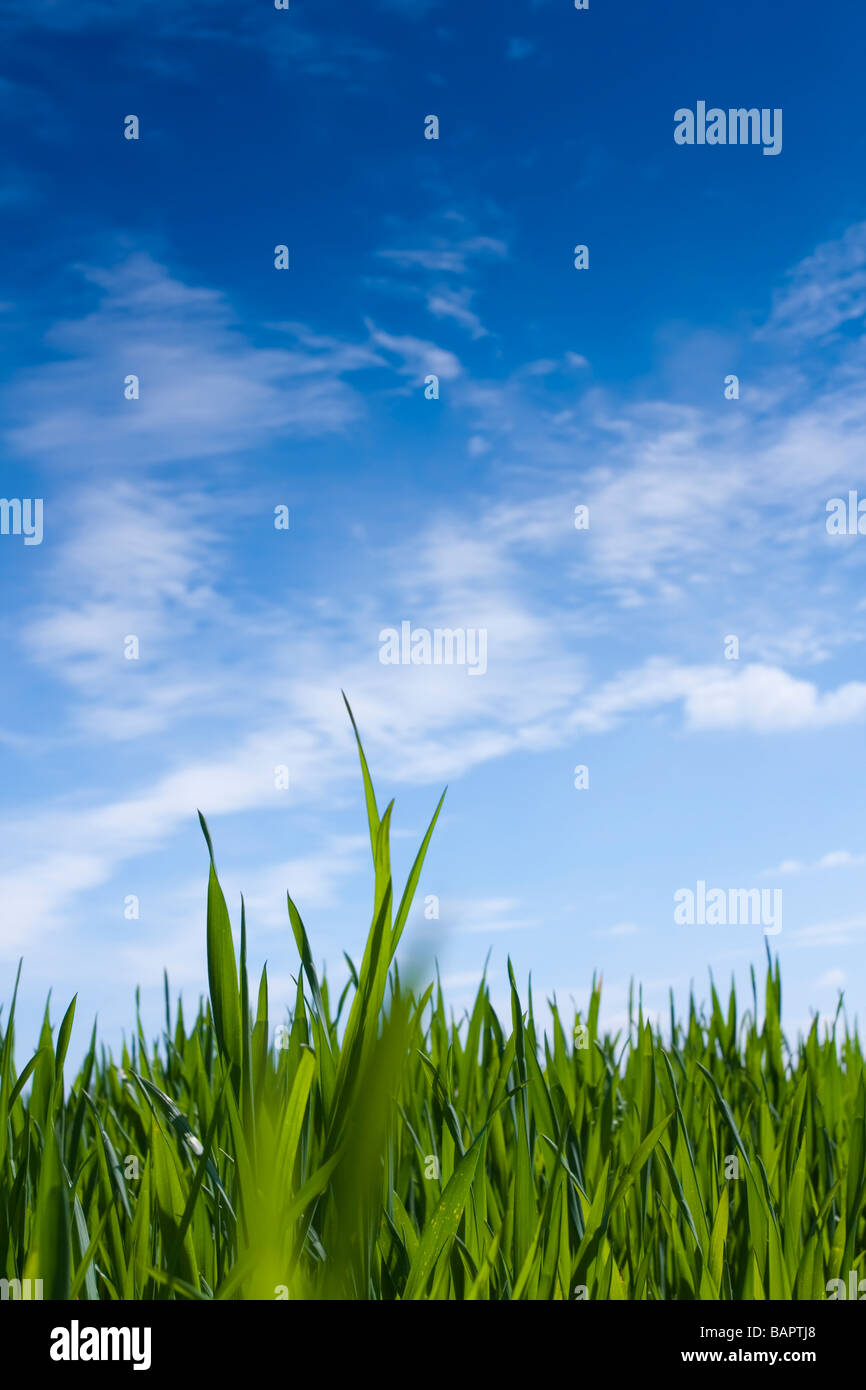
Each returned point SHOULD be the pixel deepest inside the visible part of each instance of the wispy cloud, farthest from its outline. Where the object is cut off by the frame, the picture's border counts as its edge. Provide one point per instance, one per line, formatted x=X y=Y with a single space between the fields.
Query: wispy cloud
x=484 y=916
x=845 y=931
x=757 y=698
x=443 y=254
x=618 y=929
x=825 y=291
x=205 y=390
x=418 y=358
x=836 y=859
x=444 y=303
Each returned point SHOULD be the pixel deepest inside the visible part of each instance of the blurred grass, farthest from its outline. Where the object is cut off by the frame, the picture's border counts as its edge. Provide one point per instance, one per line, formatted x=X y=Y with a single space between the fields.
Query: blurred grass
x=380 y=1150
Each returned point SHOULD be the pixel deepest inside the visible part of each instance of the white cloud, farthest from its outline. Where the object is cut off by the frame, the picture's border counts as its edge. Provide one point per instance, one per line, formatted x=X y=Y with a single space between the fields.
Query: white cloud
x=313 y=880
x=758 y=698
x=825 y=291
x=205 y=390
x=447 y=256
x=841 y=859
x=419 y=358
x=89 y=843
x=618 y=929
x=832 y=979
x=770 y=700
x=454 y=304
x=843 y=931
x=483 y=916
x=836 y=859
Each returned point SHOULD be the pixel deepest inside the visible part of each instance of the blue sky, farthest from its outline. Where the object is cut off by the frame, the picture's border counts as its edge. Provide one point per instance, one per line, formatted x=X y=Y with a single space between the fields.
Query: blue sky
x=305 y=388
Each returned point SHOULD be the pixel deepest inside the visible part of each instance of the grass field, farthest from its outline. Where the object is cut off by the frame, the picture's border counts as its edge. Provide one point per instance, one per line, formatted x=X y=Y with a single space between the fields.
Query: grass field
x=378 y=1149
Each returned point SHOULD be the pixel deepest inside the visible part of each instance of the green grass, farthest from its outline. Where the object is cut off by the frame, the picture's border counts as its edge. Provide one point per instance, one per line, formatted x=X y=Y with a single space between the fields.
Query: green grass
x=388 y=1151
